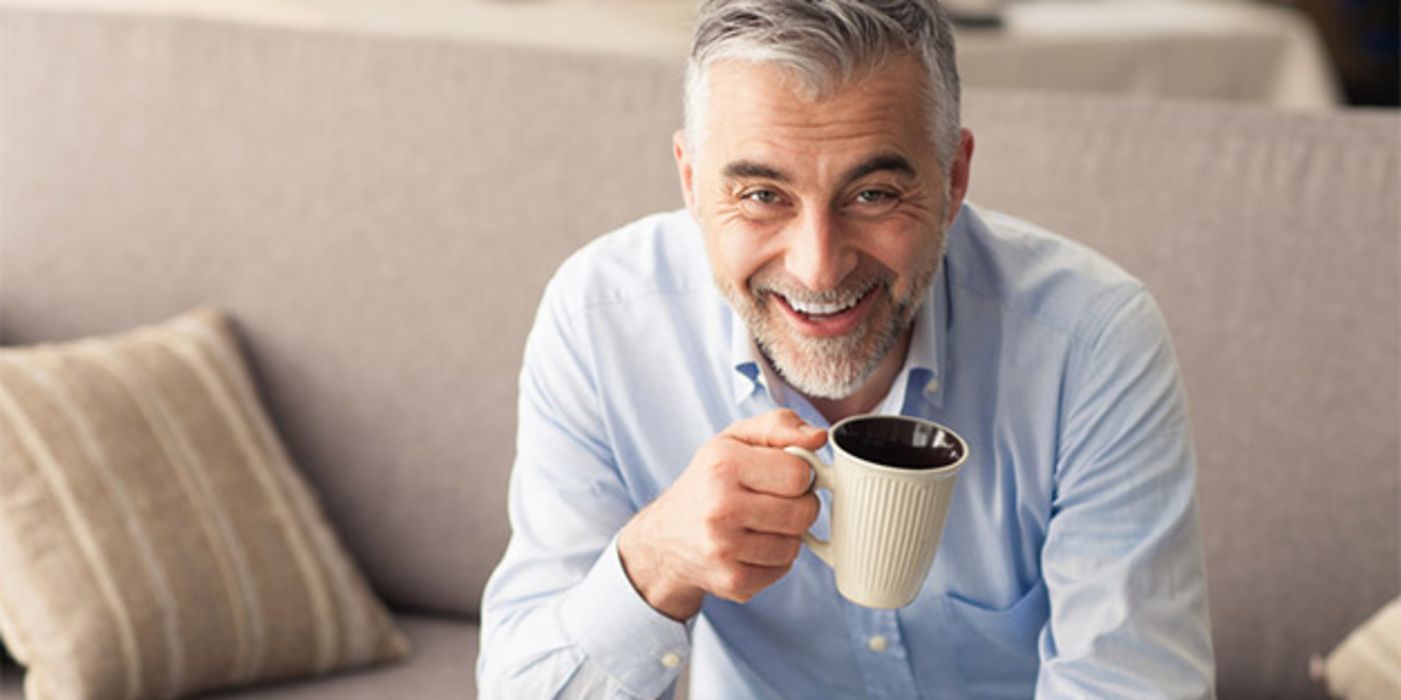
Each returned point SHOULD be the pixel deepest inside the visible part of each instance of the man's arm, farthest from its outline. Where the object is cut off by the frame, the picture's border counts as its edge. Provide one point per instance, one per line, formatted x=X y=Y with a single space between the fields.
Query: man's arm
x=591 y=595
x=559 y=617
x=1123 y=555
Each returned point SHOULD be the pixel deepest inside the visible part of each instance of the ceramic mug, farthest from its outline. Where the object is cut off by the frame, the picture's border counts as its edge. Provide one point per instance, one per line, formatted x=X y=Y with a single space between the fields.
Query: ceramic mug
x=892 y=480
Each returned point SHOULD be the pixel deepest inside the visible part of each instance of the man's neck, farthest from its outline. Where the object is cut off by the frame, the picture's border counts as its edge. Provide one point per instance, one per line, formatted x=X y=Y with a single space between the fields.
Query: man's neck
x=869 y=396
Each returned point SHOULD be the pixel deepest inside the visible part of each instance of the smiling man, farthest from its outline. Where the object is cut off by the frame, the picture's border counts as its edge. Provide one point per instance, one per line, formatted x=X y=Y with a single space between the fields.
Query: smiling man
x=824 y=218
x=827 y=265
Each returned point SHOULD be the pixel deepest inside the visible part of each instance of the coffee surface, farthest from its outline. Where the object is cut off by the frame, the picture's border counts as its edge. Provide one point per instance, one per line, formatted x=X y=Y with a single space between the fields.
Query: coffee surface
x=903 y=444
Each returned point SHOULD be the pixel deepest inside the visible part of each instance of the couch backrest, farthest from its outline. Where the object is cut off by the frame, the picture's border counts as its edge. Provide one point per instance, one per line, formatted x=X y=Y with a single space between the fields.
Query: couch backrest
x=379 y=213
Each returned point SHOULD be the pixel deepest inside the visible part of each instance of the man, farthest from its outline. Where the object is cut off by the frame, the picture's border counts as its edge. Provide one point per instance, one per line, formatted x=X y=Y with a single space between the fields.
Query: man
x=826 y=265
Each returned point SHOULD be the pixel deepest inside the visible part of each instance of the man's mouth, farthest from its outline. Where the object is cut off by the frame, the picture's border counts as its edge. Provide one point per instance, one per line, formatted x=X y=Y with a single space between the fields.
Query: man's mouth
x=816 y=309
x=828 y=318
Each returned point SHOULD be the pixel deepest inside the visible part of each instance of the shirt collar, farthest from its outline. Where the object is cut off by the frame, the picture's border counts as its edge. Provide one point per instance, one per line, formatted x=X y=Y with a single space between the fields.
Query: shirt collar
x=921 y=371
x=752 y=370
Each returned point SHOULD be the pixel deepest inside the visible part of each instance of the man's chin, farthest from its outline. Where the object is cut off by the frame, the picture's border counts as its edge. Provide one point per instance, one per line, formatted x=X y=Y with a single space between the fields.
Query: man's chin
x=834 y=372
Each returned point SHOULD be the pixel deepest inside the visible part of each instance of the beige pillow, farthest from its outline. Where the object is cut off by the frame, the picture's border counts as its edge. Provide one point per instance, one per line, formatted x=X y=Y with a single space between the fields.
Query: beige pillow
x=1367 y=665
x=155 y=540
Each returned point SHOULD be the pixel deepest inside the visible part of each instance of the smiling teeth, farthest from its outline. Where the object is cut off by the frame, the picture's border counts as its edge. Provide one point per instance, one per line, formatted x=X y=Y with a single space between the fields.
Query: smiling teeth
x=812 y=308
x=819 y=309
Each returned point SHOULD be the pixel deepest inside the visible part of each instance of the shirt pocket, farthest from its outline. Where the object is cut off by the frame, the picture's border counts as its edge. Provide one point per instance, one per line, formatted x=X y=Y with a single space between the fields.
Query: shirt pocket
x=997 y=645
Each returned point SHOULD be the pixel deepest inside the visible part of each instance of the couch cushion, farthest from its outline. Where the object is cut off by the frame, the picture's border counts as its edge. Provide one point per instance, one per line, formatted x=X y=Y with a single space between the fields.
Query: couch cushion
x=441 y=667
x=155 y=539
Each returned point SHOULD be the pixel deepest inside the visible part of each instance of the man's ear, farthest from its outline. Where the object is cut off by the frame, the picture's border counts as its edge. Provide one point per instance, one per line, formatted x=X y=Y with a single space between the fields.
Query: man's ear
x=684 y=169
x=959 y=173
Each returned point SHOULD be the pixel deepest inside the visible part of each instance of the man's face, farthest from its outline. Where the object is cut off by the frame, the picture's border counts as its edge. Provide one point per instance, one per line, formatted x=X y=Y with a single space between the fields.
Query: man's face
x=824 y=219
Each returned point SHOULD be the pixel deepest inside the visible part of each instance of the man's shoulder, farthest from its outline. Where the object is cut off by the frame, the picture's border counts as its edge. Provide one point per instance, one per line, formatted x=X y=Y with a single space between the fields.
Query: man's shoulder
x=1034 y=272
x=661 y=255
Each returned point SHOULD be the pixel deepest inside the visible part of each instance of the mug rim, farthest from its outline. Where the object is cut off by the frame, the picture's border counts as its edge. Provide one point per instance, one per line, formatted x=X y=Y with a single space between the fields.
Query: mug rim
x=899 y=471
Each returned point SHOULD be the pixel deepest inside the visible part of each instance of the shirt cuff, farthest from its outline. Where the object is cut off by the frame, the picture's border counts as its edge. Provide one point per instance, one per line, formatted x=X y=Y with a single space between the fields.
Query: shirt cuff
x=609 y=620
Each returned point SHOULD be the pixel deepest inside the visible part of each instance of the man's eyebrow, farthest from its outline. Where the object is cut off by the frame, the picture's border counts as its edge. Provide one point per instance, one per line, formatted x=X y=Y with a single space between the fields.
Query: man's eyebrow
x=884 y=161
x=748 y=168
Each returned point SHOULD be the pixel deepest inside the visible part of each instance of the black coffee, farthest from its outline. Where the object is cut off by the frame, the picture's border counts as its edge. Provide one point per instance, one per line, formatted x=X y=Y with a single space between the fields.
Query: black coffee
x=895 y=442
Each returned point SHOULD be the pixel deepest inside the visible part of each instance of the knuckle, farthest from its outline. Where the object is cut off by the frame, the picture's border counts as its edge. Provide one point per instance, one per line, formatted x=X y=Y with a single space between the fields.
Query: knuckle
x=766 y=434
x=720 y=551
x=719 y=517
x=722 y=466
x=718 y=542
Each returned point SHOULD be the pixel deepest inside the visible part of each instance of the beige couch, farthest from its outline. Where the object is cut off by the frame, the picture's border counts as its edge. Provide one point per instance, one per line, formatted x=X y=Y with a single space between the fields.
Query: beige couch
x=379 y=212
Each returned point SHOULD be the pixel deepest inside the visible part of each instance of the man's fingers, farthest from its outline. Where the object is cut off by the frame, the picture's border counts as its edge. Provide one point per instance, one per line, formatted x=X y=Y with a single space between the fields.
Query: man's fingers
x=756 y=449
x=765 y=549
x=779 y=515
x=779 y=428
x=767 y=470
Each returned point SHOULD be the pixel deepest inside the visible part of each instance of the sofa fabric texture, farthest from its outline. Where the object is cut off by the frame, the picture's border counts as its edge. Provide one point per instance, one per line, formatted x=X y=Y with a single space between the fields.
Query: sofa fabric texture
x=380 y=212
x=155 y=538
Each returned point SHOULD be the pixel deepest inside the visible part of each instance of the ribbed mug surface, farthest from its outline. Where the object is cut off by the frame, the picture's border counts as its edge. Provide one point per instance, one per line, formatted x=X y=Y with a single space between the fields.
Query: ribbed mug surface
x=887 y=520
x=886 y=529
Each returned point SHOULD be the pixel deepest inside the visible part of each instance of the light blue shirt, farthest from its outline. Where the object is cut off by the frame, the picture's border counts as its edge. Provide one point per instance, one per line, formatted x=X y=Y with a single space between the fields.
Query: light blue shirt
x=1071 y=563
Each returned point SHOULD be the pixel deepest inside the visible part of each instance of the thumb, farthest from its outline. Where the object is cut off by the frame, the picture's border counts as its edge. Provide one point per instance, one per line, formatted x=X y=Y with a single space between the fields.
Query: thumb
x=778 y=428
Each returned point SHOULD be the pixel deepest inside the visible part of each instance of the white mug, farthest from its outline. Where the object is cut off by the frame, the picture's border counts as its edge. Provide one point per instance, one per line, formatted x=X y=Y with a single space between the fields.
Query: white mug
x=892 y=480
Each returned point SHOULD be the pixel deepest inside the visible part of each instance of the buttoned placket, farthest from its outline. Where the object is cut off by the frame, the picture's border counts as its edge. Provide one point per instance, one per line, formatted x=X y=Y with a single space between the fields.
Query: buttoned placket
x=876 y=640
x=880 y=652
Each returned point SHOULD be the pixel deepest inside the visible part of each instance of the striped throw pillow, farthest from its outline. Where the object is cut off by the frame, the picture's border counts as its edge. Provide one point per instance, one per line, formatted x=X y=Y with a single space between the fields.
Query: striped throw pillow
x=155 y=540
x=1367 y=665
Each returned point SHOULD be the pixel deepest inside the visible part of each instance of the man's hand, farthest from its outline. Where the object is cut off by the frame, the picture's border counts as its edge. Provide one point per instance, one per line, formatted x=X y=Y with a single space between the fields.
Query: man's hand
x=731 y=523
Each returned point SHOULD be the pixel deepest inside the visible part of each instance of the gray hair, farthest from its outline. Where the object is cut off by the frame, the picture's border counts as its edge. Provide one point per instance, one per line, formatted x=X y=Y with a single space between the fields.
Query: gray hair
x=827 y=44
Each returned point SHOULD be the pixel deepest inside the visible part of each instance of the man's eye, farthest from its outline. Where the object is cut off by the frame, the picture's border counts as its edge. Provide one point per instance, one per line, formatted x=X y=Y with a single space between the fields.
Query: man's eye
x=762 y=196
x=874 y=202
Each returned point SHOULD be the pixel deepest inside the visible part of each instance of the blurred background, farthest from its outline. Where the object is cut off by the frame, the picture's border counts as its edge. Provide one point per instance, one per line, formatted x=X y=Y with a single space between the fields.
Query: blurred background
x=1361 y=39
x=1308 y=54
x=377 y=191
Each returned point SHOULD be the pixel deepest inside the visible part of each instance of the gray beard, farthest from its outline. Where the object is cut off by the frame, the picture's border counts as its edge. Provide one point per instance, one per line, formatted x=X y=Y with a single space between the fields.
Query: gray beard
x=828 y=368
x=831 y=368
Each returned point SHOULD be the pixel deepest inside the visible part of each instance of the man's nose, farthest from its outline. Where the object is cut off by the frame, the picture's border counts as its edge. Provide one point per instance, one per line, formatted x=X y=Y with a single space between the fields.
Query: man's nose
x=818 y=253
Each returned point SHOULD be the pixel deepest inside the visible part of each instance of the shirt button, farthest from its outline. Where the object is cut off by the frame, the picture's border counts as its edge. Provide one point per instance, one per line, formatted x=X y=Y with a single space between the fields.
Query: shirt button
x=932 y=387
x=877 y=643
x=671 y=659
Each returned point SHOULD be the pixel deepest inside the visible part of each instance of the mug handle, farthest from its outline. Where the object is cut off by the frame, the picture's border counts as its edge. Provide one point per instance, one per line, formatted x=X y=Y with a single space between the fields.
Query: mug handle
x=823 y=478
